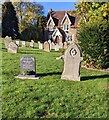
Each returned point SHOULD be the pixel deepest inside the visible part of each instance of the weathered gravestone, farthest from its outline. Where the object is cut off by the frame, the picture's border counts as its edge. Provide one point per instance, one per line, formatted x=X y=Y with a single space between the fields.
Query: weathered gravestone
x=65 y=45
x=52 y=45
x=49 y=41
x=7 y=40
x=57 y=47
x=17 y=42
x=32 y=44
x=12 y=47
x=27 y=68
x=46 y=46
x=40 y=45
x=23 y=44
x=60 y=45
x=32 y=41
x=72 y=60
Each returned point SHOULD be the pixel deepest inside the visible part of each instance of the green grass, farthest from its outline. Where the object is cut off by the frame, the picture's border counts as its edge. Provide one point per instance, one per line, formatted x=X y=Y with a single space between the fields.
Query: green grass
x=50 y=97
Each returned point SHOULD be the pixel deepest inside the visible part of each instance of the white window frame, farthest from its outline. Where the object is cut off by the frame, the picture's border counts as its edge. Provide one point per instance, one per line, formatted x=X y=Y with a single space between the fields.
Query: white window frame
x=66 y=27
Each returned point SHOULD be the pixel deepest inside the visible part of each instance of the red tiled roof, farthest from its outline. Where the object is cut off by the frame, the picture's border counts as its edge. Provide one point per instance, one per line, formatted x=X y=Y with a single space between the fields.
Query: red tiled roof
x=59 y=15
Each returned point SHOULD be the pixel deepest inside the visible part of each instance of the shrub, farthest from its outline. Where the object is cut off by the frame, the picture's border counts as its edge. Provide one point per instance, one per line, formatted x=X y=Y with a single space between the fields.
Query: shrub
x=94 y=41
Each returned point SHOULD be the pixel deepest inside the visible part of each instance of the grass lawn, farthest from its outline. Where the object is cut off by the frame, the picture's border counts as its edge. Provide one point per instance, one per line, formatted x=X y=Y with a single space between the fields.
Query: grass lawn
x=50 y=97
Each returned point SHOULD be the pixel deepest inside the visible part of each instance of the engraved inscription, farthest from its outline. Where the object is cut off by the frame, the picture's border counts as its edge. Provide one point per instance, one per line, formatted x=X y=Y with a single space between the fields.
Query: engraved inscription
x=27 y=63
x=73 y=52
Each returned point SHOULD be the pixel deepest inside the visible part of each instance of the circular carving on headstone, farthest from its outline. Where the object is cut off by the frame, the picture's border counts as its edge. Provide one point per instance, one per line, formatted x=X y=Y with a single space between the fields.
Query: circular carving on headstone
x=73 y=52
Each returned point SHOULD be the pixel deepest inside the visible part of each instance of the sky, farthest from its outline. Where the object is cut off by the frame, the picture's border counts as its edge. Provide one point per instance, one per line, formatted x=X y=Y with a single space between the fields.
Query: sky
x=57 y=6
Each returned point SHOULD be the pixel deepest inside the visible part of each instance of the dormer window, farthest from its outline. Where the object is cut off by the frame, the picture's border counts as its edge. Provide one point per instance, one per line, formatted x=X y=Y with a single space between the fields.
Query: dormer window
x=65 y=26
x=50 y=28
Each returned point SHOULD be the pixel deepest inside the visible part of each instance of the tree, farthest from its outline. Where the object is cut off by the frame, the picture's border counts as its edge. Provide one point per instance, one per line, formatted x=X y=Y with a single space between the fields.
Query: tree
x=41 y=23
x=9 y=21
x=27 y=13
x=93 y=33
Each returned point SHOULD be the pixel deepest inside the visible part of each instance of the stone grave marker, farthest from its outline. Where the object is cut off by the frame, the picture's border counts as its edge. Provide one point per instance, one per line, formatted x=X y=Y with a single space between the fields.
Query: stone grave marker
x=60 y=45
x=65 y=45
x=32 y=44
x=40 y=45
x=12 y=47
x=27 y=68
x=46 y=46
x=72 y=60
x=52 y=45
x=57 y=47
x=7 y=40
x=32 y=41
x=17 y=43
x=49 y=41
x=23 y=44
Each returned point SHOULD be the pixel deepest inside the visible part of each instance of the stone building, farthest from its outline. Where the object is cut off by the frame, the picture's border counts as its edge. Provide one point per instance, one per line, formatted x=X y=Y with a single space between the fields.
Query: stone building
x=61 y=26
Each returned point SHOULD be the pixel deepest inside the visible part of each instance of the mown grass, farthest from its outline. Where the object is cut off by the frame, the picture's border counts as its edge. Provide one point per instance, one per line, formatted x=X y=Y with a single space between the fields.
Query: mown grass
x=50 y=97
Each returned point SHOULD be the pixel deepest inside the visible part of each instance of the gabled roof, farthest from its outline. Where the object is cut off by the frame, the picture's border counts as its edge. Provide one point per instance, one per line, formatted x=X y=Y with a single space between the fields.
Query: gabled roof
x=60 y=31
x=66 y=16
x=58 y=17
x=55 y=33
x=50 y=19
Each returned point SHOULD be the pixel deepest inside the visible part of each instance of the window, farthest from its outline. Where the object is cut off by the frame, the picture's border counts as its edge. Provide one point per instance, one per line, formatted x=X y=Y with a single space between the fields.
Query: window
x=65 y=27
x=50 y=28
x=68 y=38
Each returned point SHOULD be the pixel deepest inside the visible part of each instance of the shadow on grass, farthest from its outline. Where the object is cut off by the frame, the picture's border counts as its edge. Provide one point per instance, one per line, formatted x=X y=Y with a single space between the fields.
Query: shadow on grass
x=4 y=50
x=84 y=78
x=47 y=74
x=94 y=77
x=30 y=52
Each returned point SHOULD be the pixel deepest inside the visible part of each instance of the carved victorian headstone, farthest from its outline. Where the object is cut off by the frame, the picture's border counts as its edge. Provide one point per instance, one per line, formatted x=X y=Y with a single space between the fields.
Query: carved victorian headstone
x=72 y=60
x=46 y=46
x=12 y=47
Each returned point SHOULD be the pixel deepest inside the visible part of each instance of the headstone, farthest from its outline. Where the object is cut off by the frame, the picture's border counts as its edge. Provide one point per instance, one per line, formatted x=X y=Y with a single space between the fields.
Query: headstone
x=31 y=44
x=27 y=68
x=32 y=41
x=72 y=60
x=7 y=41
x=49 y=41
x=73 y=37
x=52 y=45
x=60 y=45
x=65 y=45
x=23 y=44
x=46 y=46
x=17 y=42
x=40 y=45
x=57 y=47
x=12 y=47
